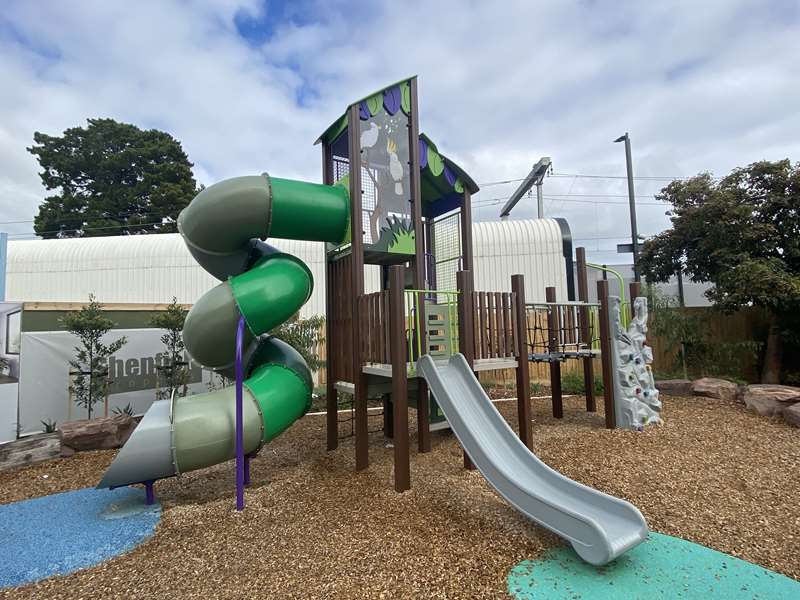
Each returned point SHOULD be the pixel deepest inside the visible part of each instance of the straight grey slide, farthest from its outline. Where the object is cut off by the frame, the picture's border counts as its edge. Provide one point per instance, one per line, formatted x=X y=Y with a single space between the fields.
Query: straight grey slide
x=599 y=527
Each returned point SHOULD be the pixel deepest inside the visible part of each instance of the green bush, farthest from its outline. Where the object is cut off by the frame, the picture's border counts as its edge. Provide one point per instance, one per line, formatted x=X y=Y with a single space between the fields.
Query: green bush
x=572 y=383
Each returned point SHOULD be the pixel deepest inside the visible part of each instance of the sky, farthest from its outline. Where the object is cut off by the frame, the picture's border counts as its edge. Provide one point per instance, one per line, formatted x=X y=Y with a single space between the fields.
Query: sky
x=248 y=85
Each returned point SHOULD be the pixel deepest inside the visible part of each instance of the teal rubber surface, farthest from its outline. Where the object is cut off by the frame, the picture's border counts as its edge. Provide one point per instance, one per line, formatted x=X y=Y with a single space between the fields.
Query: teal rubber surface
x=660 y=567
x=63 y=533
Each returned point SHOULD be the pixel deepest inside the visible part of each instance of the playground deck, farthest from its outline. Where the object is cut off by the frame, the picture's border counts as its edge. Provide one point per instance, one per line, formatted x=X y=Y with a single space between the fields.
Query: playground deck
x=712 y=473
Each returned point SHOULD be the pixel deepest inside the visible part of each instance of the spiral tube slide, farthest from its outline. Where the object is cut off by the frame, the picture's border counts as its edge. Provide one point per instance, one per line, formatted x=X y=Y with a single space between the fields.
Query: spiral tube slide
x=224 y=228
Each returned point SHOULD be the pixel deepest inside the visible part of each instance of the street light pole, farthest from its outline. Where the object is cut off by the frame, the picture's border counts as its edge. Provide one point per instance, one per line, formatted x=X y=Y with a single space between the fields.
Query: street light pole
x=632 y=200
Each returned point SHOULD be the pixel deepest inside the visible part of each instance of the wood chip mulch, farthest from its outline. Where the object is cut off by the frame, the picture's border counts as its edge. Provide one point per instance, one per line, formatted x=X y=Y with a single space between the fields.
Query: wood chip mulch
x=712 y=473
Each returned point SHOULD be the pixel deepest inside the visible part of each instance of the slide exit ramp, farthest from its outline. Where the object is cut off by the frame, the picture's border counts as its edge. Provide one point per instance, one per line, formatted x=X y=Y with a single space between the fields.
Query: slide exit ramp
x=599 y=527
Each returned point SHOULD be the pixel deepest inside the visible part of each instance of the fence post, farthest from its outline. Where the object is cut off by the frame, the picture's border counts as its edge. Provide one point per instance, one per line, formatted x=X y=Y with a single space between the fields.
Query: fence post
x=586 y=337
x=397 y=320
x=521 y=350
x=606 y=348
x=466 y=329
x=553 y=328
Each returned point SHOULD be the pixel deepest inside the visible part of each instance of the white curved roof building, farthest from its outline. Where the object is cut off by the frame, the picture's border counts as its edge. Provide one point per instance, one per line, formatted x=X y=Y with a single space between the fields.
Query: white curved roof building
x=151 y=269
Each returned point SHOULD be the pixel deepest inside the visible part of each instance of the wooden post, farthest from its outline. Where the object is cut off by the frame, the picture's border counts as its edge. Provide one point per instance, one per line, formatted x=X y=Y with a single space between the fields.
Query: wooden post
x=331 y=393
x=583 y=296
x=423 y=420
x=357 y=289
x=397 y=323
x=606 y=348
x=635 y=291
x=523 y=373
x=553 y=328
x=466 y=329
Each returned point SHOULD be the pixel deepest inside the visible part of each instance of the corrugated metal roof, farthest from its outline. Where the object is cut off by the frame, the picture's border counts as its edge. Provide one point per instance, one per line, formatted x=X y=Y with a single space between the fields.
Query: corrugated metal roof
x=154 y=268
x=533 y=247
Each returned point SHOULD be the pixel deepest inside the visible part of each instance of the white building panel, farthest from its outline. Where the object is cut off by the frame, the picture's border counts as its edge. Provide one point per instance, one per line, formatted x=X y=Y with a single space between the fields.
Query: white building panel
x=533 y=247
x=154 y=268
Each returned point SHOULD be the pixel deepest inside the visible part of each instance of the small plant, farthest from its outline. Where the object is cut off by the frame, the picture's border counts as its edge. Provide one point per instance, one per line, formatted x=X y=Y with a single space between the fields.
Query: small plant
x=537 y=389
x=175 y=369
x=125 y=410
x=304 y=335
x=49 y=426
x=91 y=356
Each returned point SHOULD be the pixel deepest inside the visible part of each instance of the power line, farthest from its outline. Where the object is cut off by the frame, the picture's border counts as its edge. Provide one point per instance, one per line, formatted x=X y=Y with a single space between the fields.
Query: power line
x=91 y=228
x=592 y=176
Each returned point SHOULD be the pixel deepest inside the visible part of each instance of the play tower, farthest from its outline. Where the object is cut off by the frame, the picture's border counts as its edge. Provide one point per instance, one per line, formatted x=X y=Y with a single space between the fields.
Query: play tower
x=410 y=216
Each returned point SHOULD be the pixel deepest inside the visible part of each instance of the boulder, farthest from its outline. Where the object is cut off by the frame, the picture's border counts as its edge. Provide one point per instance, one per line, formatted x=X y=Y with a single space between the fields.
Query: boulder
x=770 y=400
x=791 y=414
x=765 y=406
x=97 y=434
x=675 y=387
x=721 y=389
x=781 y=393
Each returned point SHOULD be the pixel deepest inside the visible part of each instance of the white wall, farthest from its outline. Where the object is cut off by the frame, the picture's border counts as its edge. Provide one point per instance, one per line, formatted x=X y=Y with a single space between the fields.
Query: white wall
x=8 y=412
x=154 y=268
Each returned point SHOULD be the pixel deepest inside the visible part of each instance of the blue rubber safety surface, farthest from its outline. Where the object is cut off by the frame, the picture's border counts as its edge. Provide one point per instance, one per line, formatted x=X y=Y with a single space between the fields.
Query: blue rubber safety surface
x=62 y=533
x=660 y=567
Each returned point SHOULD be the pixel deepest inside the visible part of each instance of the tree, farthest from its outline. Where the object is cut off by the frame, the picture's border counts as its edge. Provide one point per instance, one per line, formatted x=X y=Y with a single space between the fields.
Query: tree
x=111 y=178
x=742 y=234
x=91 y=357
x=175 y=368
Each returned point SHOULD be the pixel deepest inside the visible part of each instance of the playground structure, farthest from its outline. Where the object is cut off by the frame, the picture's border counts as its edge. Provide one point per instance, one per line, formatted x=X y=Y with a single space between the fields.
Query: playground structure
x=388 y=198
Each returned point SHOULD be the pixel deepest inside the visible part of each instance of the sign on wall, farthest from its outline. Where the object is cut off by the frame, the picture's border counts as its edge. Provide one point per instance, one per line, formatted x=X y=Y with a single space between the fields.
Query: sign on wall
x=44 y=376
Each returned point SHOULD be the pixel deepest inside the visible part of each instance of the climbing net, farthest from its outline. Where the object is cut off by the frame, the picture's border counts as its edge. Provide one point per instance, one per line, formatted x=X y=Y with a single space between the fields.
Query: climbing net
x=555 y=331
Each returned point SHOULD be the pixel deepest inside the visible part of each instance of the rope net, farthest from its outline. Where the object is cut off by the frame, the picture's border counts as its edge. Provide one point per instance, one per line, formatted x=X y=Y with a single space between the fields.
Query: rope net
x=555 y=331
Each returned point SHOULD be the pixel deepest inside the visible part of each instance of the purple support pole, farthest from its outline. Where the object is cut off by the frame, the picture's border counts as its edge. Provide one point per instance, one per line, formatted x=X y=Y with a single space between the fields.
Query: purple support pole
x=240 y=465
x=247 y=469
x=149 y=495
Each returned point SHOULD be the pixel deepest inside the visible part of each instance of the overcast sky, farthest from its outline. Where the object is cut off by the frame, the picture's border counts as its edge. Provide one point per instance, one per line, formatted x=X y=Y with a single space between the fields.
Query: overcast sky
x=248 y=85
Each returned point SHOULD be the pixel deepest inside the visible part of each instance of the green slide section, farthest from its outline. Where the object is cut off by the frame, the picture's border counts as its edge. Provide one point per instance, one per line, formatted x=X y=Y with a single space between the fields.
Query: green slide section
x=224 y=228
x=225 y=220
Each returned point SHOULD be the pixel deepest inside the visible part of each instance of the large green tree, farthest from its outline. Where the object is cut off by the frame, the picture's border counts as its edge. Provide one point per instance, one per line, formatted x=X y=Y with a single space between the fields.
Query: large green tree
x=741 y=234
x=111 y=178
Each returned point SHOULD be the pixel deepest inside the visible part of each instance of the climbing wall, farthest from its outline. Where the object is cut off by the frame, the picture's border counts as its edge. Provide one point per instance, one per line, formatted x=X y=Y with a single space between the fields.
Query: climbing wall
x=635 y=395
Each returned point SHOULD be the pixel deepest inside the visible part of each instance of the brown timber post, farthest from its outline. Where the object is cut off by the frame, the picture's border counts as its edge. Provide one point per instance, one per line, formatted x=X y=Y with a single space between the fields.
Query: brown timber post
x=397 y=324
x=583 y=296
x=466 y=329
x=469 y=282
x=423 y=421
x=357 y=289
x=553 y=328
x=605 y=353
x=520 y=336
x=331 y=393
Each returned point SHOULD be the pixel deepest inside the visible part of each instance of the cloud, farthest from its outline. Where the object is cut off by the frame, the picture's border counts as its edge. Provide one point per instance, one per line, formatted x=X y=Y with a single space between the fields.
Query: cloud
x=247 y=86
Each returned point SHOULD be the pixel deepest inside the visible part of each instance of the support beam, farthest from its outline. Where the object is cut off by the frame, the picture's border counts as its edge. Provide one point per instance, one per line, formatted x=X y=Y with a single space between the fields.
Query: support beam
x=553 y=329
x=586 y=337
x=521 y=351
x=466 y=329
x=423 y=419
x=606 y=348
x=331 y=393
x=397 y=324
x=357 y=289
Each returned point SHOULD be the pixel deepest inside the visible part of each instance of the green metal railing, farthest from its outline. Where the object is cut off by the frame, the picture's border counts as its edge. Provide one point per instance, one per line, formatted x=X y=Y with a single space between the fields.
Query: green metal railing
x=623 y=305
x=417 y=334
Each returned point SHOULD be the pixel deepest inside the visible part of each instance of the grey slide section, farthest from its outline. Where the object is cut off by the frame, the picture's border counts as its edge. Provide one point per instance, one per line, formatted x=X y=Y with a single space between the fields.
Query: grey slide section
x=147 y=455
x=599 y=527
